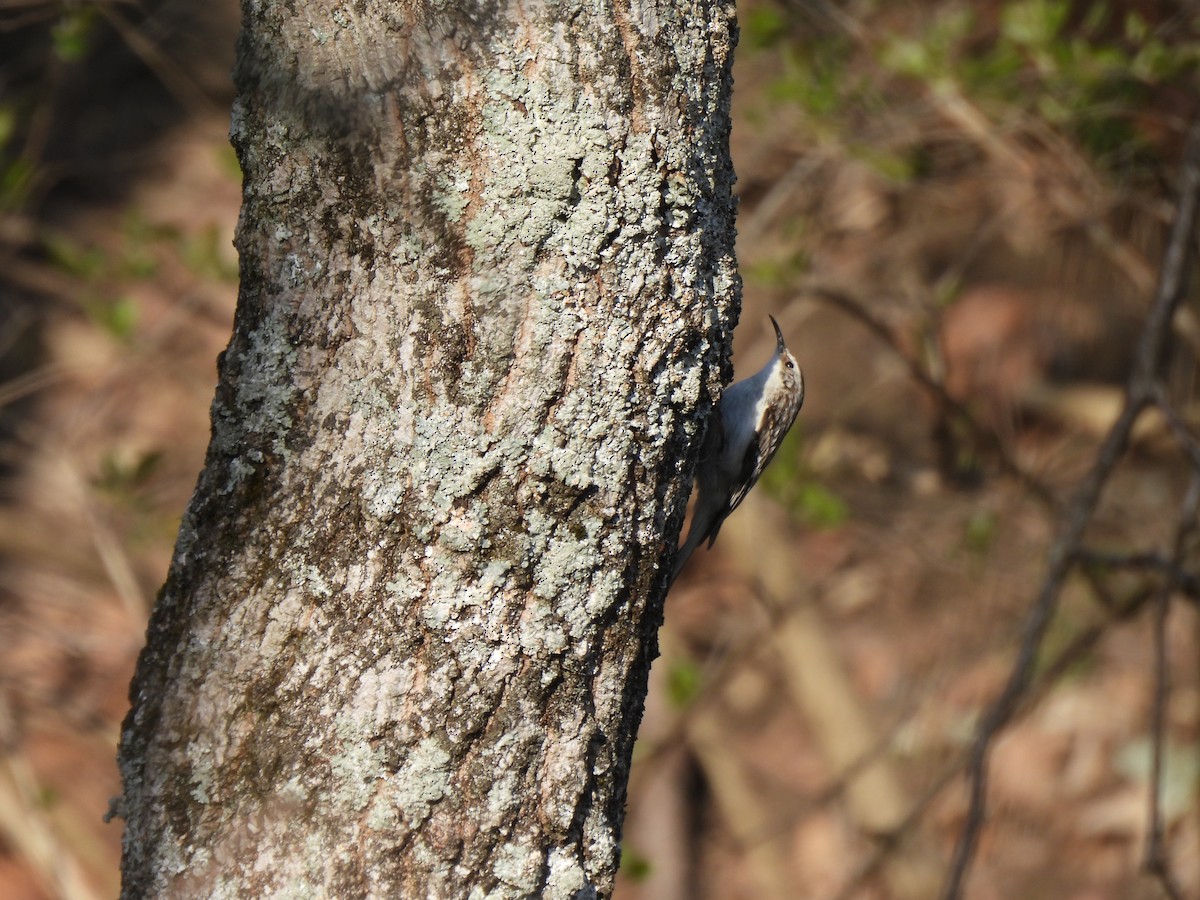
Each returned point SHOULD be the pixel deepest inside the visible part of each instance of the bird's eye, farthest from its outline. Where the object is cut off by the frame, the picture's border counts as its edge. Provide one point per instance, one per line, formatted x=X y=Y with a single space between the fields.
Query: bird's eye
x=790 y=364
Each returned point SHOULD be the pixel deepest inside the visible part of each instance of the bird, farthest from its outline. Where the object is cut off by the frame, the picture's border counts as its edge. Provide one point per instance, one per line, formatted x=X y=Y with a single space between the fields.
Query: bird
x=744 y=432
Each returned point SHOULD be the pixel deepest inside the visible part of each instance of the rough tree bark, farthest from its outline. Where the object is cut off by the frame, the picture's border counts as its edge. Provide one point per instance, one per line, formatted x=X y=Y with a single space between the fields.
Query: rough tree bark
x=487 y=290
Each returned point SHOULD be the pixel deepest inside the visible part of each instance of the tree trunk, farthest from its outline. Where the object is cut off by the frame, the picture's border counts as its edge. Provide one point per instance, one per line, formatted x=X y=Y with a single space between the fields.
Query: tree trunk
x=487 y=291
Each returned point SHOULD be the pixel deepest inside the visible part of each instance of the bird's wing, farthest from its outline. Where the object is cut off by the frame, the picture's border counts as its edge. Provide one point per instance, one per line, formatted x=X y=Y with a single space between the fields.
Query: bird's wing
x=759 y=453
x=746 y=477
x=752 y=465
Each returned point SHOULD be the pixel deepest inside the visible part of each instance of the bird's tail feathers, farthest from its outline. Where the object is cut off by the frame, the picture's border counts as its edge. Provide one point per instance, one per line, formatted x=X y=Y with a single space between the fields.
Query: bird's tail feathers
x=706 y=521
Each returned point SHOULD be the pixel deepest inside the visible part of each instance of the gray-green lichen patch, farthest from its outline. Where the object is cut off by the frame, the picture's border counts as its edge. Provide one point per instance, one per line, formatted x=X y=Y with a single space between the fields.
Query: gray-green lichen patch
x=202 y=774
x=263 y=397
x=566 y=876
x=355 y=763
x=421 y=781
x=565 y=560
x=403 y=591
x=547 y=156
x=565 y=777
x=517 y=865
x=451 y=195
x=505 y=788
x=541 y=632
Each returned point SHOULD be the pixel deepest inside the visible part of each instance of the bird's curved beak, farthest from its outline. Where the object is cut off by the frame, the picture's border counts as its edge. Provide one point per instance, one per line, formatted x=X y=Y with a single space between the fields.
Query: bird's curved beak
x=780 y=345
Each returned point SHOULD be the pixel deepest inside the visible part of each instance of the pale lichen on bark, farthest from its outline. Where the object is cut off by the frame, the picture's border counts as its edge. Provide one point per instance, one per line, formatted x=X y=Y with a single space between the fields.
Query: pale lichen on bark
x=487 y=282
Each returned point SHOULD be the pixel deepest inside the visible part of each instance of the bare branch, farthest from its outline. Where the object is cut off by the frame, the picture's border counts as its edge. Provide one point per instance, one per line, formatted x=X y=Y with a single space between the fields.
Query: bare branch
x=1140 y=392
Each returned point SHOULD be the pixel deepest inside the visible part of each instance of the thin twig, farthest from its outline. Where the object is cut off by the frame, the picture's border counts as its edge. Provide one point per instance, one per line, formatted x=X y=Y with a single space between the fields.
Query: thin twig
x=1183 y=432
x=1157 y=863
x=1185 y=580
x=1140 y=390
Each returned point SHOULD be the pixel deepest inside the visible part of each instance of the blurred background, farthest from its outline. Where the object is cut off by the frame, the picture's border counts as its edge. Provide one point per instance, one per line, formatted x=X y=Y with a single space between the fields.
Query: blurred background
x=955 y=210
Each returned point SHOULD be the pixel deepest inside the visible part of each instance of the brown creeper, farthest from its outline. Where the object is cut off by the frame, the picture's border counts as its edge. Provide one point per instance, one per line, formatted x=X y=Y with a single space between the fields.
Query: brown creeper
x=745 y=430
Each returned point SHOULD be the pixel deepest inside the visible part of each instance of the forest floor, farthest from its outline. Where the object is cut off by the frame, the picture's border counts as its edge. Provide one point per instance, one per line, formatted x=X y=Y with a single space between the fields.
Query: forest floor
x=824 y=668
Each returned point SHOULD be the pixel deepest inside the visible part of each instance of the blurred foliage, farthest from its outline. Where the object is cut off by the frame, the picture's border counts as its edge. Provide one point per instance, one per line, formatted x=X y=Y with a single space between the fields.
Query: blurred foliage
x=684 y=682
x=1086 y=77
x=228 y=162
x=764 y=26
x=86 y=88
x=33 y=62
x=117 y=316
x=204 y=253
x=778 y=271
x=137 y=259
x=1074 y=618
x=980 y=531
x=634 y=865
x=1181 y=772
x=74 y=32
x=1104 y=74
x=98 y=270
x=136 y=254
x=124 y=476
x=806 y=498
x=68 y=256
x=16 y=178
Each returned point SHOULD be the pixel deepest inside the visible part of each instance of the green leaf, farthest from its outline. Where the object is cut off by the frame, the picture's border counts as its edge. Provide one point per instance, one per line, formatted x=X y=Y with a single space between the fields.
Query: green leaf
x=1136 y=28
x=138 y=262
x=806 y=500
x=1181 y=772
x=820 y=507
x=764 y=26
x=73 y=34
x=16 y=177
x=778 y=272
x=227 y=161
x=122 y=475
x=8 y=123
x=201 y=252
x=906 y=56
x=117 y=316
x=898 y=168
x=1094 y=18
x=1033 y=23
x=684 y=681
x=980 y=531
x=635 y=866
x=65 y=254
